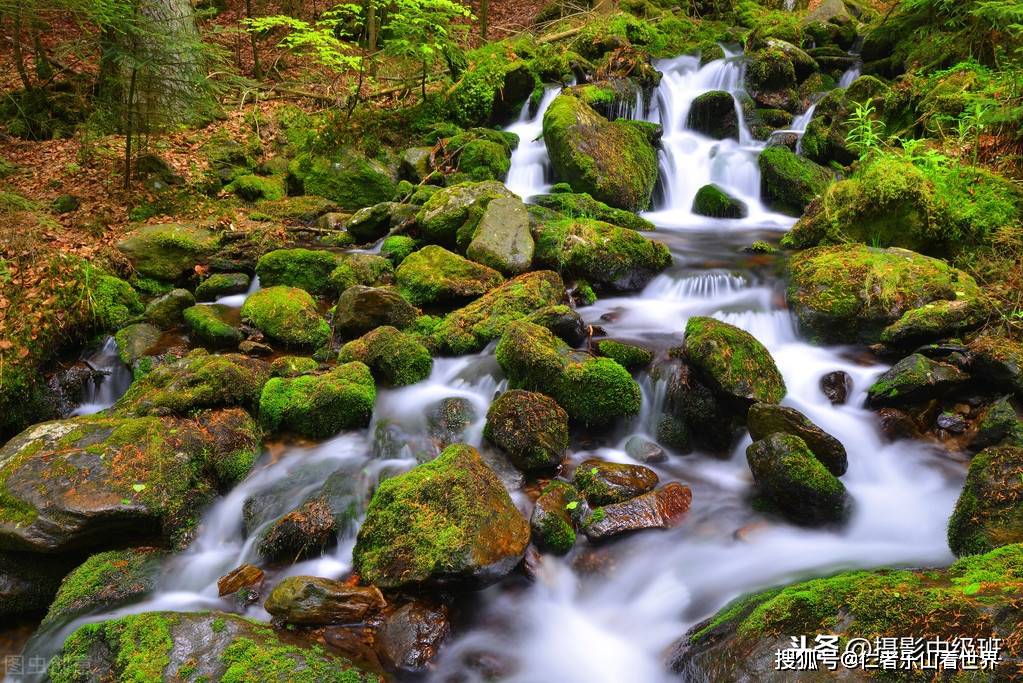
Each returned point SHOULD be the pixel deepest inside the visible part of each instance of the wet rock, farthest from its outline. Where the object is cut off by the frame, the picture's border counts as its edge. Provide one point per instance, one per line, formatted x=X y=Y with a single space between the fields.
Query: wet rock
x=369 y=270
x=245 y=576
x=660 y=509
x=448 y=419
x=450 y=217
x=362 y=309
x=255 y=349
x=484 y=535
x=106 y=581
x=165 y=311
x=503 y=240
x=644 y=450
x=582 y=205
x=199 y=380
x=169 y=251
x=394 y=357
x=209 y=646
x=694 y=415
x=410 y=638
x=998 y=360
x=951 y=422
x=209 y=324
x=532 y=429
x=604 y=482
x=714 y=114
x=732 y=361
x=789 y=182
x=302 y=533
x=798 y=484
x=293 y=366
x=319 y=406
x=766 y=419
x=312 y=600
x=913 y=379
x=434 y=275
x=714 y=202
x=222 y=284
x=415 y=164
x=989 y=512
x=134 y=342
x=286 y=315
x=836 y=386
x=629 y=356
x=29 y=582
x=998 y=423
x=936 y=320
x=371 y=223
x=564 y=322
x=553 y=518
x=896 y=424
x=91 y=482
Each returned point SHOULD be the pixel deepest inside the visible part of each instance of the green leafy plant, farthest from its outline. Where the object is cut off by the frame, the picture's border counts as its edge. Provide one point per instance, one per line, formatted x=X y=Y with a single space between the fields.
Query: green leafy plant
x=864 y=131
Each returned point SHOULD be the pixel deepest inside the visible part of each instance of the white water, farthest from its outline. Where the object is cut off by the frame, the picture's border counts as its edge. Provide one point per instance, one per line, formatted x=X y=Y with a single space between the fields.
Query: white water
x=530 y=166
x=103 y=392
x=237 y=300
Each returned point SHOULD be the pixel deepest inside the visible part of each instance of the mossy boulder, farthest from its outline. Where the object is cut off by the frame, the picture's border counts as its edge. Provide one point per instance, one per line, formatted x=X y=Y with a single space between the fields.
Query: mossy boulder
x=934 y=321
x=531 y=429
x=319 y=406
x=914 y=379
x=306 y=269
x=210 y=324
x=200 y=646
x=312 y=600
x=604 y=255
x=613 y=162
x=629 y=356
x=595 y=391
x=605 y=483
x=97 y=481
x=851 y=293
x=166 y=311
x=169 y=251
x=789 y=182
x=713 y=202
x=360 y=269
x=300 y=209
x=448 y=521
x=350 y=180
x=581 y=205
x=732 y=361
x=771 y=75
x=394 y=357
x=450 y=217
x=552 y=522
x=989 y=512
x=795 y=482
x=435 y=276
x=371 y=223
x=361 y=309
x=396 y=247
x=765 y=419
x=469 y=329
x=222 y=284
x=252 y=187
x=492 y=91
x=998 y=425
x=136 y=341
x=292 y=366
x=564 y=322
x=502 y=240
x=106 y=580
x=715 y=115
x=287 y=315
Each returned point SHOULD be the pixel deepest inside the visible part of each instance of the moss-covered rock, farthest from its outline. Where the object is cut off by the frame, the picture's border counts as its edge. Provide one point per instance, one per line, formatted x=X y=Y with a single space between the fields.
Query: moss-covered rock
x=287 y=315
x=361 y=309
x=629 y=356
x=532 y=429
x=502 y=240
x=450 y=217
x=292 y=366
x=360 y=269
x=582 y=205
x=492 y=91
x=319 y=406
x=396 y=247
x=311 y=600
x=448 y=521
x=714 y=114
x=714 y=202
x=201 y=646
x=552 y=522
x=605 y=483
x=793 y=480
x=370 y=223
x=563 y=321
x=611 y=161
x=999 y=360
x=209 y=324
x=604 y=255
x=913 y=379
x=300 y=209
x=222 y=284
x=306 y=269
x=251 y=187
x=169 y=251
x=100 y=481
x=394 y=357
x=972 y=596
x=350 y=180
x=136 y=341
x=435 y=276
x=935 y=320
x=852 y=292
x=470 y=328
x=765 y=419
x=788 y=182
x=732 y=361
x=166 y=311
x=114 y=303
x=199 y=380
x=998 y=425
x=989 y=512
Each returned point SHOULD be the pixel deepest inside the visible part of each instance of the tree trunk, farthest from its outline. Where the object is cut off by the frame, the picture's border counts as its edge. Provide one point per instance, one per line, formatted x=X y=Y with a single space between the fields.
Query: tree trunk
x=257 y=69
x=371 y=36
x=484 y=17
x=19 y=56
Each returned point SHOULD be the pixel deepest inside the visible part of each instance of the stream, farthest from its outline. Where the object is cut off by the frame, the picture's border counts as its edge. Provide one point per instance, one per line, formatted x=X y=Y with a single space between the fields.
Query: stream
x=608 y=613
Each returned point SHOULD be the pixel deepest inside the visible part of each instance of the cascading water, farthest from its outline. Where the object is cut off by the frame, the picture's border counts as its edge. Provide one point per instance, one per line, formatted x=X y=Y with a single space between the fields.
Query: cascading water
x=236 y=300
x=530 y=165
x=102 y=391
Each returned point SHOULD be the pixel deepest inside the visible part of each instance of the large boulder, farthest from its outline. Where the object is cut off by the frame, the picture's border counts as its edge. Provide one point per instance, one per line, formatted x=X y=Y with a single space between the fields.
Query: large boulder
x=989 y=512
x=319 y=406
x=582 y=205
x=448 y=521
x=765 y=419
x=732 y=362
x=502 y=239
x=395 y=358
x=198 y=380
x=998 y=360
x=851 y=293
x=914 y=379
x=220 y=284
x=165 y=311
x=794 y=481
x=306 y=269
x=210 y=325
x=450 y=217
x=605 y=483
x=169 y=251
x=350 y=180
x=361 y=309
x=789 y=182
x=287 y=315
x=360 y=269
x=713 y=202
x=435 y=276
x=532 y=429
x=604 y=255
x=199 y=646
x=714 y=114
x=311 y=600
x=470 y=328
x=660 y=509
x=975 y=595
x=613 y=162
x=96 y=481
x=136 y=341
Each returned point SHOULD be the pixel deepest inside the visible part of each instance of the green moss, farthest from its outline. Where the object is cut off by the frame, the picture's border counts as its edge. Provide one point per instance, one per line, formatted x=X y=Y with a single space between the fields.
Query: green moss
x=219 y=284
x=287 y=315
x=395 y=358
x=789 y=182
x=989 y=512
x=251 y=662
x=306 y=269
x=319 y=406
x=484 y=160
x=114 y=302
x=450 y=216
x=712 y=201
x=292 y=366
x=360 y=269
x=551 y=522
x=396 y=247
x=350 y=180
x=102 y=580
x=208 y=323
x=253 y=187
x=732 y=360
x=584 y=206
x=302 y=209
x=628 y=356
x=14 y=510
x=169 y=251
x=434 y=275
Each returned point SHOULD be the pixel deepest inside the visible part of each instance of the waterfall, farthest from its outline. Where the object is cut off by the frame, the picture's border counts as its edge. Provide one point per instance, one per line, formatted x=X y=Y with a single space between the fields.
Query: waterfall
x=103 y=391
x=530 y=165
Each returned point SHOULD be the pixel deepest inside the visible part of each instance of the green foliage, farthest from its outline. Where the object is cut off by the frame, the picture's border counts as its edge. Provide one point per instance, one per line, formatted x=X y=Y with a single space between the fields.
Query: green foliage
x=318 y=39
x=864 y=130
x=424 y=31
